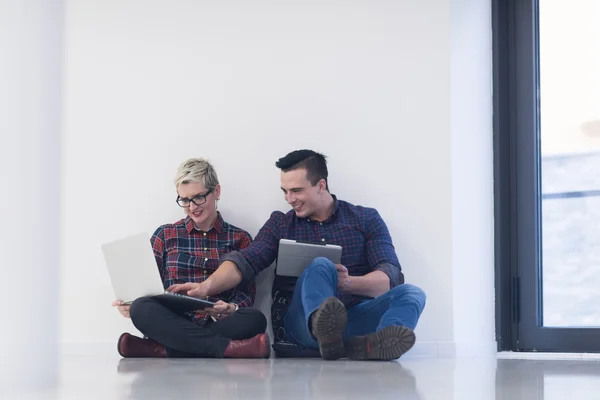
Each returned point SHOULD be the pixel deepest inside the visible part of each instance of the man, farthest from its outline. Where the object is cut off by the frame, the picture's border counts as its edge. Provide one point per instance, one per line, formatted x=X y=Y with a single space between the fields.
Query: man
x=362 y=309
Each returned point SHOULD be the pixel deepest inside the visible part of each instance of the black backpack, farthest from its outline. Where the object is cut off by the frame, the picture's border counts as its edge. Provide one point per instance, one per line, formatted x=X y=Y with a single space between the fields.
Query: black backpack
x=282 y=293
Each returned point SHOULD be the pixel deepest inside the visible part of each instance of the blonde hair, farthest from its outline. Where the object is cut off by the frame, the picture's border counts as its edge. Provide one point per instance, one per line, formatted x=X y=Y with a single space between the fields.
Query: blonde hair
x=197 y=170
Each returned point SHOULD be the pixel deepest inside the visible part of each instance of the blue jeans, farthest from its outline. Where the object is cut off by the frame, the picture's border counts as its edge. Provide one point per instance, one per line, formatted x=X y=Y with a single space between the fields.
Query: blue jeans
x=402 y=305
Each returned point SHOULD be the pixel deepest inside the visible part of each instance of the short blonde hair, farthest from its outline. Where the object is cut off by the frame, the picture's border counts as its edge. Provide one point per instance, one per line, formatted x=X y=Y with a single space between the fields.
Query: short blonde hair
x=197 y=170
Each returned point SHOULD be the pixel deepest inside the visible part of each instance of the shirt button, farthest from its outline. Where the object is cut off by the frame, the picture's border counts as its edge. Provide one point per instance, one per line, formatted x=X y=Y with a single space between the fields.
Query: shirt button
x=206 y=259
x=320 y=223
x=204 y=233
x=205 y=249
x=322 y=240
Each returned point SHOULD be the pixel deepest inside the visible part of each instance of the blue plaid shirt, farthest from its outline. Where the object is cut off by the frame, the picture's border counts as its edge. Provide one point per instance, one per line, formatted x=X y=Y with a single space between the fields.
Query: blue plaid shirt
x=362 y=233
x=186 y=254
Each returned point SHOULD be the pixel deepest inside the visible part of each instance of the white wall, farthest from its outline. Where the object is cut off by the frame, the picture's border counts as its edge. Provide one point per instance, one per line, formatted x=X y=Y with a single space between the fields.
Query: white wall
x=30 y=100
x=472 y=179
x=150 y=83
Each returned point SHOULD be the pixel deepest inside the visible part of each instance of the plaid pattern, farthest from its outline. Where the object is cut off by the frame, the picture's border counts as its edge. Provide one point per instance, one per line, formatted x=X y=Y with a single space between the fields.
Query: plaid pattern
x=362 y=233
x=185 y=254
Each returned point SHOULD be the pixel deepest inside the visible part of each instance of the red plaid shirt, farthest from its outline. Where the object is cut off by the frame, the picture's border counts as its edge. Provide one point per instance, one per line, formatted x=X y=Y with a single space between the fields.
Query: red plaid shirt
x=186 y=254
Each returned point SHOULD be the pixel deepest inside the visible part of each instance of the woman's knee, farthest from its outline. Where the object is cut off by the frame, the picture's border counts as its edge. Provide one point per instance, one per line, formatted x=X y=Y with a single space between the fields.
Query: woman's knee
x=140 y=310
x=254 y=321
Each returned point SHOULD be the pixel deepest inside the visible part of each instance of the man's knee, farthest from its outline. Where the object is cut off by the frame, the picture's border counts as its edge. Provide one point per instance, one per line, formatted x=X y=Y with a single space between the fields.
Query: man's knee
x=411 y=293
x=321 y=265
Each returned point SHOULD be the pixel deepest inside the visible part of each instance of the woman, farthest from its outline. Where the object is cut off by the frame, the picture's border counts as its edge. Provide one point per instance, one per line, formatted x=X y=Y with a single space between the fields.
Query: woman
x=189 y=251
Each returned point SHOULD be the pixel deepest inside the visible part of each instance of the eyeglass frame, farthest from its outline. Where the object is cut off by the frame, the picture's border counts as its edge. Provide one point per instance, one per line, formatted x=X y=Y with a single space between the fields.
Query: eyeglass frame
x=198 y=196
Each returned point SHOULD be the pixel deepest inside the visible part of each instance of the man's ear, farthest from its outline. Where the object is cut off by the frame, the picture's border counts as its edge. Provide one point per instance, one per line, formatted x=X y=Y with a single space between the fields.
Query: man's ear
x=322 y=185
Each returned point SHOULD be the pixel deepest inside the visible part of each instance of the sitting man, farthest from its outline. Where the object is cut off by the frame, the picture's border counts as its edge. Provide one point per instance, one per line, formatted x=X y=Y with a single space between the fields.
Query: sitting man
x=362 y=309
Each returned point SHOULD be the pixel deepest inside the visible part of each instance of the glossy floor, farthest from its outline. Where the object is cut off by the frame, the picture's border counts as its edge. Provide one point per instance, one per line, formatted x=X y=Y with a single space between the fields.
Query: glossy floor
x=107 y=377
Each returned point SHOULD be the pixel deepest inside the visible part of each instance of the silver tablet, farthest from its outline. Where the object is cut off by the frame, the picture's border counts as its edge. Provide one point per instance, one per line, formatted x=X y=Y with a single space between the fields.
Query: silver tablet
x=294 y=256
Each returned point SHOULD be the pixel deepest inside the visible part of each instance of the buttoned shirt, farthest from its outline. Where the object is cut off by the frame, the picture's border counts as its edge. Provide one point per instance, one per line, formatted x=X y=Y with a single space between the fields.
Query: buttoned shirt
x=186 y=254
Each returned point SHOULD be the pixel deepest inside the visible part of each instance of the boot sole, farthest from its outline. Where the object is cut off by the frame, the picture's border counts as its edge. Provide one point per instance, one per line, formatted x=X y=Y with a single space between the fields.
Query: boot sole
x=387 y=344
x=329 y=324
x=119 y=344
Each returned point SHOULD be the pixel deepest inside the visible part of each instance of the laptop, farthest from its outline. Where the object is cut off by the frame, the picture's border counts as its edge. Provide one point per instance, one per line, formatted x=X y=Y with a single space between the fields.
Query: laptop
x=294 y=256
x=134 y=274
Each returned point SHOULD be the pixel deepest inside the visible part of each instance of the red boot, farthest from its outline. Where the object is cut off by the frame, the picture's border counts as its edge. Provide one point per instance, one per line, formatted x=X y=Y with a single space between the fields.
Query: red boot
x=133 y=346
x=257 y=347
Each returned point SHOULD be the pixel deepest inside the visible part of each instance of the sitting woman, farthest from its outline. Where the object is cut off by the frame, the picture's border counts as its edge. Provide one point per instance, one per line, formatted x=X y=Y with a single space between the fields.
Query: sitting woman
x=189 y=251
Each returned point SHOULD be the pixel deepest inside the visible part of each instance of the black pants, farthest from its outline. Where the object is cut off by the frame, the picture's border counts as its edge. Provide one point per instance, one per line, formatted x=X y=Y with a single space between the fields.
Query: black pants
x=184 y=338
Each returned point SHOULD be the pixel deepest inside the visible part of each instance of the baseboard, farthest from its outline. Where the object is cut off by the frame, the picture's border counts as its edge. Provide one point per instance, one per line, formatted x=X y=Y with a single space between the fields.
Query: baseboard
x=420 y=349
x=475 y=349
x=452 y=350
x=534 y=355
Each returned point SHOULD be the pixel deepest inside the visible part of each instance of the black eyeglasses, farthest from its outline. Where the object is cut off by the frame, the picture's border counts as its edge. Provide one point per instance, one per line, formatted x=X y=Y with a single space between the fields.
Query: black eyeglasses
x=197 y=200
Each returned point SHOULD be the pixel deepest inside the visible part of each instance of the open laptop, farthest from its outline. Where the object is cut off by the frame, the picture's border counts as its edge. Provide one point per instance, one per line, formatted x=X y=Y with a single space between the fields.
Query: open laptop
x=294 y=256
x=134 y=273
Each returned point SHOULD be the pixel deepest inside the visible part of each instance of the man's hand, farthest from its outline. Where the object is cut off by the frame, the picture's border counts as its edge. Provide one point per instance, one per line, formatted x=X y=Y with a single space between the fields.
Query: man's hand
x=221 y=310
x=191 y=289
x=123 y=309
x=343 y=277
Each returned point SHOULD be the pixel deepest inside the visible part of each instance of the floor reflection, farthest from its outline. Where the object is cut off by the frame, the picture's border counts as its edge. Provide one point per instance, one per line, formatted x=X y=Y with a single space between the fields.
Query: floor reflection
x=91 y=377
x=248 y=379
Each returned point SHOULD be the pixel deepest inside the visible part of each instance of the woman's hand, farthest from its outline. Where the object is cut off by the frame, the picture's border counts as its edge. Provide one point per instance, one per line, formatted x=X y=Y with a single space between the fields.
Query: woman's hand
x=123 y=309
x=221 y=310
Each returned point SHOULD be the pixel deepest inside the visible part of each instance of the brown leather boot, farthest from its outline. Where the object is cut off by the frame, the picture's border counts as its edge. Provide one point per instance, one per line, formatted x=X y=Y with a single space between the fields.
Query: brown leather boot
x=386 y=344
x=133 y=346
x=257 y=347
x=327 y=325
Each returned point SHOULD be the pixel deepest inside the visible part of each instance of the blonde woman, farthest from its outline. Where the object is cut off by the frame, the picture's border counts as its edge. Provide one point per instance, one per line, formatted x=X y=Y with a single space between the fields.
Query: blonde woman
x=187 y=252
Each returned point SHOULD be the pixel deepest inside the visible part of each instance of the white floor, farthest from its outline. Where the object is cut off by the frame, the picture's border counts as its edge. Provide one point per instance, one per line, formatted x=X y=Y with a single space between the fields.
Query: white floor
x=109 y=377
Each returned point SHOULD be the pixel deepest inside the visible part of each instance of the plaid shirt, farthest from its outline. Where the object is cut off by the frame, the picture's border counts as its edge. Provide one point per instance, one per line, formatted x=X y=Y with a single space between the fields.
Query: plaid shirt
x=362 y=233
x=186 y=254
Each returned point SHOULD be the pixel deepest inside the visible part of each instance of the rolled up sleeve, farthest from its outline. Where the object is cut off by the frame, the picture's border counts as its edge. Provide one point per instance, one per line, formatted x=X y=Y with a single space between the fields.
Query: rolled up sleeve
x=393 y=272
x=381 y=253
x=248 y=273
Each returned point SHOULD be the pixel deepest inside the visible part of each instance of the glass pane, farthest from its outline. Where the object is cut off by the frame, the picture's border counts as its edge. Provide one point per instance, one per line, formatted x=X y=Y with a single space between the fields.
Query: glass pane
x=570 y=144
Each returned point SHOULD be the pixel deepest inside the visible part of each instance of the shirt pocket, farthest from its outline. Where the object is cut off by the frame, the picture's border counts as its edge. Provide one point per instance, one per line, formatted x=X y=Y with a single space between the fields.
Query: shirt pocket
x=353 y=242
x=183 y=267
x=215 y=254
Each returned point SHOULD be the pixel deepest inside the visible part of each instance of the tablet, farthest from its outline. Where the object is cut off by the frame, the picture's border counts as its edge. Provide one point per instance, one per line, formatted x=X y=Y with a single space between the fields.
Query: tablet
x=294 y=256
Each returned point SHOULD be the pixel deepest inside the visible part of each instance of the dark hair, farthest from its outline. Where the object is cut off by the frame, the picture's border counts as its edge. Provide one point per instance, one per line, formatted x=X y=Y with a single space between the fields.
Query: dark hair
x=314 y=163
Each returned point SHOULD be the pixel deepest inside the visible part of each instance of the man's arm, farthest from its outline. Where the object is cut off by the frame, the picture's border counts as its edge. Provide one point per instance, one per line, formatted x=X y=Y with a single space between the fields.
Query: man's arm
x=226 y=277
x=239 y=265
x=381 y=255
x=372 y=284
x=243 y=295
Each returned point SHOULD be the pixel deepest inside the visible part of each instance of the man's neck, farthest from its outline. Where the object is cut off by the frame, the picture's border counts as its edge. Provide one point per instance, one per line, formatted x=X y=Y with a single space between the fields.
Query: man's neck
x=326 y=211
